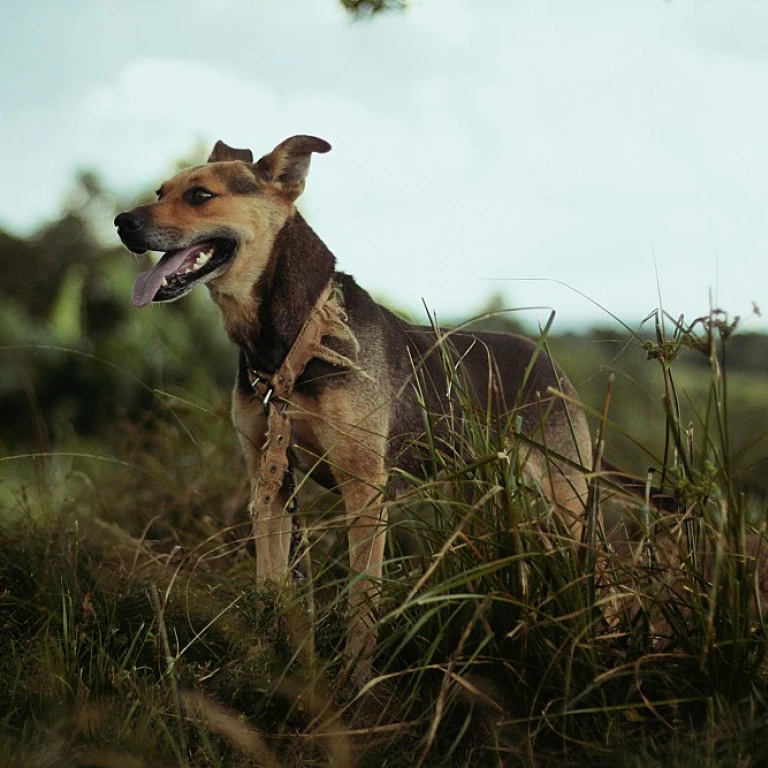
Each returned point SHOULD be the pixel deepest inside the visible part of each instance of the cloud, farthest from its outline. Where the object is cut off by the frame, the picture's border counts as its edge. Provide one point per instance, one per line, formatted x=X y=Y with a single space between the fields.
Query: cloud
x=158 y=107
x=472 y=142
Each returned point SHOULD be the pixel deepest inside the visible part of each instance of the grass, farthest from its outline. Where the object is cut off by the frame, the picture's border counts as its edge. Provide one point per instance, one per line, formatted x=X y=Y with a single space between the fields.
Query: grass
x=134 y=634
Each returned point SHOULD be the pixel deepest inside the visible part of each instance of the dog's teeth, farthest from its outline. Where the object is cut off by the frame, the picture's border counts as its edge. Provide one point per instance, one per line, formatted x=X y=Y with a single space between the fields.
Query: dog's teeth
x=201 y=260
x=164 y=283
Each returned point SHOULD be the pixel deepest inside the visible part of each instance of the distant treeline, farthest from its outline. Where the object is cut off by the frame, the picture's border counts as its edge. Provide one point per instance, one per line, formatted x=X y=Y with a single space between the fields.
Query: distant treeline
x=76 y=355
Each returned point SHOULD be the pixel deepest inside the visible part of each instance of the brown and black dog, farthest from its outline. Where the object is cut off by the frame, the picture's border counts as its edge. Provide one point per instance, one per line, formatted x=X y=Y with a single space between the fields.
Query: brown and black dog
x=233 y=225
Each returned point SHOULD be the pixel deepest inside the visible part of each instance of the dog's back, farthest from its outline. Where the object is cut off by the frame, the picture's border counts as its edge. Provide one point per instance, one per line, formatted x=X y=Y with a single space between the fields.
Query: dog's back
x=505 y=381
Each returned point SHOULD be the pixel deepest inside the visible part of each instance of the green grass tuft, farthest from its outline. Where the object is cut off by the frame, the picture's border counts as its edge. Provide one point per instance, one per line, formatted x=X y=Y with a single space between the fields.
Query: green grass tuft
x=134 y=634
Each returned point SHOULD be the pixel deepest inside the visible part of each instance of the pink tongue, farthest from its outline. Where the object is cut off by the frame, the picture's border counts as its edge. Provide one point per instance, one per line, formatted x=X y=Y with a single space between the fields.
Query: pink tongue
x=148 y=283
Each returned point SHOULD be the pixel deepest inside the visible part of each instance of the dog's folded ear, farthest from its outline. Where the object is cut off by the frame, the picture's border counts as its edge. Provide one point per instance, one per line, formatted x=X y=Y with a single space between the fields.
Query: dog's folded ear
x=222 y=153
x=286 y=166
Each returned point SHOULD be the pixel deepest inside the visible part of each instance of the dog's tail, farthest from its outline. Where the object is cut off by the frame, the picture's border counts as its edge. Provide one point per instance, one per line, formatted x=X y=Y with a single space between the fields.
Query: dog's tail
x=636 y=486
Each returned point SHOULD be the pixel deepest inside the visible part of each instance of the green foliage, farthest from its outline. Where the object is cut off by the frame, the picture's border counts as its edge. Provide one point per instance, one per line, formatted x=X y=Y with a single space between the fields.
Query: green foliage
x=73 y=352
x=135 y=633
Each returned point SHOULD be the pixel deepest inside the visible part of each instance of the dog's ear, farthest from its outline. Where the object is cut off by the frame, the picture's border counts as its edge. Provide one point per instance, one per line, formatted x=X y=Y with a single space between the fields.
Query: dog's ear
x=221 y=153
x=286 y=166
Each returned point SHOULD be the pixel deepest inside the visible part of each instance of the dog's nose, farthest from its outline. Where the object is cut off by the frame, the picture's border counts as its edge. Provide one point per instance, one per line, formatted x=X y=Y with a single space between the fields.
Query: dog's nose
x=129 y=222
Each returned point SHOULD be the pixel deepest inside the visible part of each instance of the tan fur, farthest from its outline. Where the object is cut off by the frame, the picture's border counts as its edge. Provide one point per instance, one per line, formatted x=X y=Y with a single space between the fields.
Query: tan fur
x=256 y=226
x=233 y=291
x=564 y=484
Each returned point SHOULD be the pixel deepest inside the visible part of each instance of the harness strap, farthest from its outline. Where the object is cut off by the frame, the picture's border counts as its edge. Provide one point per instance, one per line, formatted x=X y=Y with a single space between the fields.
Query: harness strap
x=274 y=390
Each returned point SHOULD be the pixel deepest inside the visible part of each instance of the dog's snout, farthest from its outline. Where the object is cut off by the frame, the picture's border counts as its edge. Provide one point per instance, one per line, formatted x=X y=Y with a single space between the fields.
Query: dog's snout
x=129 y=222
x=131 y=227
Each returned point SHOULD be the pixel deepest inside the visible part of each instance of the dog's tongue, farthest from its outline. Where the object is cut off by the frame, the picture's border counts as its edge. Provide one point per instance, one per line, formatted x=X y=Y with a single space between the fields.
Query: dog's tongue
x=148 y=283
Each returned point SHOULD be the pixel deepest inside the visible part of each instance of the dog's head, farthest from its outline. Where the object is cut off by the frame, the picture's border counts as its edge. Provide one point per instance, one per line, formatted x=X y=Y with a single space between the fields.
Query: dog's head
x=217 y=222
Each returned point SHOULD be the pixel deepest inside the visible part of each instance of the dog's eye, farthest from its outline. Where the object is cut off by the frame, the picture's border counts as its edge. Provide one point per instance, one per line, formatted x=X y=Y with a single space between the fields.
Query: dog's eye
x=198 y=195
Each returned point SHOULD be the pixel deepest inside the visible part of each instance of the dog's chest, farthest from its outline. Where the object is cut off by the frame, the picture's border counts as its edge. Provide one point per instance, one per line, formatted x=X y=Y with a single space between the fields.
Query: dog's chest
x=306 y=440
x=312 y=442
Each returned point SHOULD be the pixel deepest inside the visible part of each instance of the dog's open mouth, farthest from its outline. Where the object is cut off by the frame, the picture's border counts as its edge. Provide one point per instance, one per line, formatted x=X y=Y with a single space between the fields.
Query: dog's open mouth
x=178 y=272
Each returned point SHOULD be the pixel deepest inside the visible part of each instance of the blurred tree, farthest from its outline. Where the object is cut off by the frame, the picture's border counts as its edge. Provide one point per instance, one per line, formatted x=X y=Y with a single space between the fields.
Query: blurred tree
x=362 y=8
x=34 y=269
x=73 y=351
x=497 y=314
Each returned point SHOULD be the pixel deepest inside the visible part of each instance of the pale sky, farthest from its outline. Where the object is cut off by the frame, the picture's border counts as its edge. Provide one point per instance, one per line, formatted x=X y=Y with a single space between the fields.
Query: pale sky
x=478 y=146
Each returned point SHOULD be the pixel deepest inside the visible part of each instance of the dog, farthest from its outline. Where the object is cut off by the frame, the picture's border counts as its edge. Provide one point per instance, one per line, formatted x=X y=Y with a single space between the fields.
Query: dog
x=329 y=381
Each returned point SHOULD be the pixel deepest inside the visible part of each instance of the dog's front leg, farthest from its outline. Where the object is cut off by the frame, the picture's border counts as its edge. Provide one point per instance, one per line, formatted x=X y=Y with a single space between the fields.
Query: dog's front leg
x=367 y=517
x=272 y=527
x=271 y=522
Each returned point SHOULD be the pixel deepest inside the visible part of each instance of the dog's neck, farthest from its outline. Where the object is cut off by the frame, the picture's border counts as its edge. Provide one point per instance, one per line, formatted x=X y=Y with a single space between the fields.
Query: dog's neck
x=299 y=267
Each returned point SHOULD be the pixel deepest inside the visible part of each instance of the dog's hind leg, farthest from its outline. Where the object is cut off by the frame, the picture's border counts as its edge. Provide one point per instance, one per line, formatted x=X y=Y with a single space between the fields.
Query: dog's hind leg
x=568 y=491
x=557 y=458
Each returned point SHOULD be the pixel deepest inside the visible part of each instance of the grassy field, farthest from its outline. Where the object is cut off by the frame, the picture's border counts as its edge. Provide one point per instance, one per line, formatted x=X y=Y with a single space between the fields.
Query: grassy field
x=134 y=634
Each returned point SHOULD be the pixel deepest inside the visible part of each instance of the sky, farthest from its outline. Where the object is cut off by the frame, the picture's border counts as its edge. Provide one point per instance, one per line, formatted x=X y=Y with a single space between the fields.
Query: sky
x=595 y=158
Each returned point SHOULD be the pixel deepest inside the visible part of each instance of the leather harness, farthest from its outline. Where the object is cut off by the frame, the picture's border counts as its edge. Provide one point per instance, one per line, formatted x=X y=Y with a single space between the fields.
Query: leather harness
x=274 y=391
